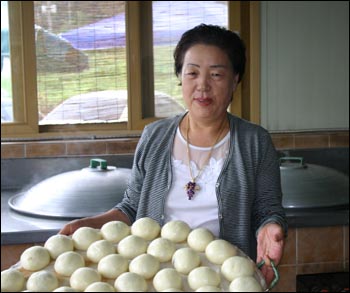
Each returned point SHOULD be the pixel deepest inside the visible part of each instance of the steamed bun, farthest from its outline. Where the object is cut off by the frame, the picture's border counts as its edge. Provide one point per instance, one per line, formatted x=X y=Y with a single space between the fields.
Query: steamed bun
x=12 y=280
x=237 y=266
x=176 y=231
x=85 y=236
x=199 y=238
x=161 y=248
x=219 y=250
x=67 y=262
x=42 y=281
x=57 y=244
x=35 y=258
x=147 y=228
x=114 y=231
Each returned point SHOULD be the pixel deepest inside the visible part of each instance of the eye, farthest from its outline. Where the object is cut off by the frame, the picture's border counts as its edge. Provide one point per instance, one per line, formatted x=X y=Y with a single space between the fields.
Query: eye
x=216 y=75
x=191 y=73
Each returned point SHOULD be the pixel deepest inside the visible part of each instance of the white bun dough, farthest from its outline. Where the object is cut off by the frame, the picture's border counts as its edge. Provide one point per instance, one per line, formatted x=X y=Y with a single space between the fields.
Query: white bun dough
x=176 y=231
x=85 y=236
x=42 y=281
x=12 y=280
x=112 y=265
x=83 y=277
x=203 y=276
x=245 y=284
x=130 y=282
x=57 y=244
x=219 y=250
x=35 y=258
x=161 y=248
x=147 y=228
x=67 y=262
x=237 y=266
x=209 y=289
x=199 y=238
x=167 y=278
x=100 y=287
x=115 y=231
x=185 y=260
x=132 y=246
x=145 y=265
x=64 y=289
x=99 y=249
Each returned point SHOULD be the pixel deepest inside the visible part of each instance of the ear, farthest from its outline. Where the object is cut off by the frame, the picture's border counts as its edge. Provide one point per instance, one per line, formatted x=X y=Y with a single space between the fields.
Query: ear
x=234 y=85
x=235 y=81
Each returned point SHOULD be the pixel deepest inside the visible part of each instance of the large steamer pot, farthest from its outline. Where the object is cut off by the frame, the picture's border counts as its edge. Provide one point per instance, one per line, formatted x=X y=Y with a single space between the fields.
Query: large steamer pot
x=74 y=194
x=310 y=186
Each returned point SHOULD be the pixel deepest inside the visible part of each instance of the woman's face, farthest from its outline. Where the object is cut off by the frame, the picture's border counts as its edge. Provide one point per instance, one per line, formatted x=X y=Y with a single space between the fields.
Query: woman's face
x=208 y=81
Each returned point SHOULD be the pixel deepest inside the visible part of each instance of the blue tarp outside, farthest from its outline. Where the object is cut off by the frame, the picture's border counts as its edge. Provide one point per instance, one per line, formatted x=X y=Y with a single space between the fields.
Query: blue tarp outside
x=178 y=16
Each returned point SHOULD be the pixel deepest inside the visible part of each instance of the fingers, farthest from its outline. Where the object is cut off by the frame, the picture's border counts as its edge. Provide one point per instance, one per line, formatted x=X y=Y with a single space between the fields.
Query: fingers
x=267 y=260
x=268 y=274
x=66 y=230
x=71 y=227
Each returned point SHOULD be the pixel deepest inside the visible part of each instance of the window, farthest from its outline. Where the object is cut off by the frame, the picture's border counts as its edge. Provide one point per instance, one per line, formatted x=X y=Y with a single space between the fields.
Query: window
x=81 y=61
x=91 y=71
x=170 y=20
x=6 y=84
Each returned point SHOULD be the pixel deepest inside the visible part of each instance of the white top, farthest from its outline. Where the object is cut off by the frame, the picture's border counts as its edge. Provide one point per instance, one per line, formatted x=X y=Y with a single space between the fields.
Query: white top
x=202 y=209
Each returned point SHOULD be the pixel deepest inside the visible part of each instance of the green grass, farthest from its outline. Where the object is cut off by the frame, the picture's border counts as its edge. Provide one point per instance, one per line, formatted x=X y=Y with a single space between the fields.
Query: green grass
x=6 y=84
x=107 y=71
x=164 y=76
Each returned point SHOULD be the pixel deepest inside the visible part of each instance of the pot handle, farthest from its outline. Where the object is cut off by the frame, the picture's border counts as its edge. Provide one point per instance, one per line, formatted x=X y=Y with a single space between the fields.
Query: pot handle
x=295 y=160
x=275 y=271
x=94 y=163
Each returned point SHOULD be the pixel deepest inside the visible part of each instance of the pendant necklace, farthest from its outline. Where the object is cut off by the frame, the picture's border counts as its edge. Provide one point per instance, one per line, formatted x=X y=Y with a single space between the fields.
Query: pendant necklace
x=192 y=186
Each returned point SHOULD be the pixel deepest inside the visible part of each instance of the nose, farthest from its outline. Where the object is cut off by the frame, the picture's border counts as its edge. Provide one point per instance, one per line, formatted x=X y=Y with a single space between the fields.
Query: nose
x=203 y=88
x=203 y=83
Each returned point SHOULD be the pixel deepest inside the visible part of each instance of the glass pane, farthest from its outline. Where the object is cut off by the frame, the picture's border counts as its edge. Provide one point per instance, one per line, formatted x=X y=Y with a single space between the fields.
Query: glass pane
x=81 y=61
x=170 y=20
x=6 y=85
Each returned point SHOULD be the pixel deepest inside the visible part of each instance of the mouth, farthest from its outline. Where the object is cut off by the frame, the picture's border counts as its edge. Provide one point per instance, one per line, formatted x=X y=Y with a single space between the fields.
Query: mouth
x=204 y=101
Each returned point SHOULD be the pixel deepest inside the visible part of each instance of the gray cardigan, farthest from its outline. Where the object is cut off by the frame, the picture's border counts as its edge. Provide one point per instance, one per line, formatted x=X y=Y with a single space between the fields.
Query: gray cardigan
x=248 y=188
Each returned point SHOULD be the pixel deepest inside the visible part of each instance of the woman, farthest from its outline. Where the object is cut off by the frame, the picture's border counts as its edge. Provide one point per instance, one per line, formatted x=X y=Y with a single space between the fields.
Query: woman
x=232 y=183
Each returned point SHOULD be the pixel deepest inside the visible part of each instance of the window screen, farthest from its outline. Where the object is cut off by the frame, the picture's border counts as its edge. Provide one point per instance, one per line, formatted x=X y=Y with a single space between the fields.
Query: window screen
x=170 y=20
x=6 y=85
x=81 y=61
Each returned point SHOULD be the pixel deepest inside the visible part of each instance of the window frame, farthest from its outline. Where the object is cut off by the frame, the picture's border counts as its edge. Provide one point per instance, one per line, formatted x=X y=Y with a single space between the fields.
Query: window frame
x=21 y=17
x=23 y=73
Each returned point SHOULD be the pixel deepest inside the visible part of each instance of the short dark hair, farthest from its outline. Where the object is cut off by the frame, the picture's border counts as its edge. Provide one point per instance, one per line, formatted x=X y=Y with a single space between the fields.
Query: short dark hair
x=215 y=35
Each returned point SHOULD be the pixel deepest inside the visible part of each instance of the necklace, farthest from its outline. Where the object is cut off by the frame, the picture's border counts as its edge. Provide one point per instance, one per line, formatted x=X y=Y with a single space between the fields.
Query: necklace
x=192 y=186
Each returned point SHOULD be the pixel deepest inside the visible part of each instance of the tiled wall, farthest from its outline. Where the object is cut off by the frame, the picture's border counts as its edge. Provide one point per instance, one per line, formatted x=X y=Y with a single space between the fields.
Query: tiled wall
x=127 y=145
x=313 y=250
x=325 y=139
x=67 y=148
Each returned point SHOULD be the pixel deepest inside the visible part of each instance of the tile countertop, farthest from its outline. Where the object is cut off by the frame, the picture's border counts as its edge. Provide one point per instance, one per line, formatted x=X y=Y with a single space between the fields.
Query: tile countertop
x=18 y=228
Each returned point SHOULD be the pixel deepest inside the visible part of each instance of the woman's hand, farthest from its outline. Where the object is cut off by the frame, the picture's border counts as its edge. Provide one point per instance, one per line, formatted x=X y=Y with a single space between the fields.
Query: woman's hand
x=270 y=247
x=72 y=226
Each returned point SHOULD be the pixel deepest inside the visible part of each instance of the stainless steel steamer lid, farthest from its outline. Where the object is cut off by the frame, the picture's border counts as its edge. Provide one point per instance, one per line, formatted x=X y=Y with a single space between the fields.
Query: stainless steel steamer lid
x=312 y=186
x=75 y=194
